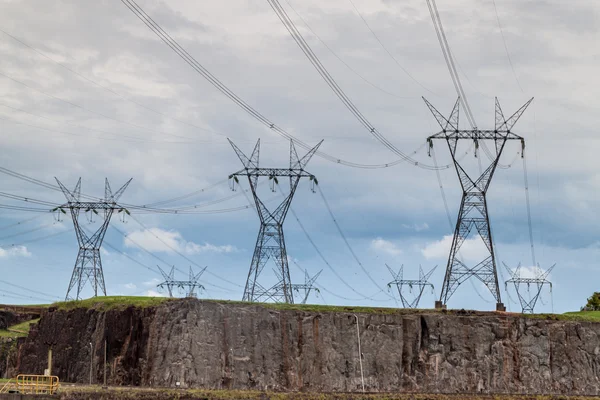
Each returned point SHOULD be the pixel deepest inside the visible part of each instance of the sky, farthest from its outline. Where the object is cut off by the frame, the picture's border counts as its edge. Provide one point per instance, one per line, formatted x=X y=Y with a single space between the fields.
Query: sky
x=87 y=90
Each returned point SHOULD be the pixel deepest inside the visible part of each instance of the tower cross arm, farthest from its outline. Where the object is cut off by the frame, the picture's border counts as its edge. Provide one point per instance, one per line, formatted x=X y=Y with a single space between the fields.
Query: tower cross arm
x=285 y=172
x=476 y=134
x=90 y=205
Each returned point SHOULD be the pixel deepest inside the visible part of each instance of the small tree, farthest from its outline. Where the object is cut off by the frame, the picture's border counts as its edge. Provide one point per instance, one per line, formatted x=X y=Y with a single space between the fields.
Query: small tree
x=593 y=303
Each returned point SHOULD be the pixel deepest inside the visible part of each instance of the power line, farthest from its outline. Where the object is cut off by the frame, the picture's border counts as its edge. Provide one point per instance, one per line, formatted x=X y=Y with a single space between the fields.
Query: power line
x=323 y=288
x=338 y=276
x=106 y=88
x=38 y=228
x=118 y=136
x=506 y=47
x=192 y=62
x=90 y=111
x=386 y=49
x=155 y=256
x=344 y=62
x=183 y=255
x=193 y=209
x=20 y=222
x=27 y=289
x=441 y=35
x=331 y=82
x=339 y=229
x=526 y=181
x=42 y=238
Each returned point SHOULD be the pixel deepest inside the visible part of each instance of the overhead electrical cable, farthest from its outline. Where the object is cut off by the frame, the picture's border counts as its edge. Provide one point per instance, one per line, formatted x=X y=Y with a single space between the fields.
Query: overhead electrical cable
x=322 y=257
x=19 y=208
x=38 y=228
x=183 y=255
x=345 y=239
x=145 y=129
x=137 y=209
x=20 y=222
x=191 y=61
x=107 y=88
x=117 y=136
x=323 y=288
x=42 y=238
x=506 y=47
x=28 y=200
x=22 y=296
x=28 y=289
x=526 y=181
x=331 y=82
x=86 y=137
x=441 y=35
x=138 y=245
x=314 y=245
x=344 y=62
x=386 y=49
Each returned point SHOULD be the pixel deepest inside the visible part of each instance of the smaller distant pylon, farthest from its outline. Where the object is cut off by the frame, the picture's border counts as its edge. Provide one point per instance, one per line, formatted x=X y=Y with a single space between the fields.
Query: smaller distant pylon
x=188 y=287
x=539 y=280
x=420 y=285
x=306 y=287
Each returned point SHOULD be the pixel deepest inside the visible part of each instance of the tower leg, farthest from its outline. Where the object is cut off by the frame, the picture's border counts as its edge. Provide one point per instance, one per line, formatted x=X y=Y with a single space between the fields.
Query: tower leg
x=269 y=244
x=472 y=217
x=258 y=258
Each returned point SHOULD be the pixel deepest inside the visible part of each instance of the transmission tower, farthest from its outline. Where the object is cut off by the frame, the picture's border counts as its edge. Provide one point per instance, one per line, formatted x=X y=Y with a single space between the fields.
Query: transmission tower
x=191 y=285
x=420 y=285
x=88 y=266
x=528 y=303
x=270 y=242
x=307 y=286
x=473 y=211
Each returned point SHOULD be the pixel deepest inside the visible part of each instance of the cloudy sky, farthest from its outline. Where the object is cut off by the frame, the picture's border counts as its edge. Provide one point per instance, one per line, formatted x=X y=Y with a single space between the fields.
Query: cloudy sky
x=87 y=90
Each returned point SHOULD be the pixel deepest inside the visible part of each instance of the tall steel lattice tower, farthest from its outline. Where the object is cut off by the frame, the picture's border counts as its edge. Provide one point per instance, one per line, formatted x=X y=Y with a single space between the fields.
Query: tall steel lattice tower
x=473 y=211
x=270 y=242
x=419 y=285
x=538 y=281
x=88 y=266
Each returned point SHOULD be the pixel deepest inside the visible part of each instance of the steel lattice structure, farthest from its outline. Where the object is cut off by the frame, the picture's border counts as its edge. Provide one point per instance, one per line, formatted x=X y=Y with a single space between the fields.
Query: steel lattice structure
x=88 y=266
x=170 y=282
x=307 y=286
x=473 y=211
x=540 y=279
x=270 y=242
x=420 y=284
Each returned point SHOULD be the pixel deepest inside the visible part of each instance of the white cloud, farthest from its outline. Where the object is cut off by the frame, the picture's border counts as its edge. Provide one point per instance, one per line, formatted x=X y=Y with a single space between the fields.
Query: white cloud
x=152 y=282
x=159 y=240
x=16 y=251
x=130 y=286
x=417 y=227
x=472 y=249
x=385 y=246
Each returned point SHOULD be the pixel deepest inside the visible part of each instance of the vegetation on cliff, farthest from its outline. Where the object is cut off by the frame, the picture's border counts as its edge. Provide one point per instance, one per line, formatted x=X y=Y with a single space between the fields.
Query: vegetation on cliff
x=19 y=330
x=104 y=303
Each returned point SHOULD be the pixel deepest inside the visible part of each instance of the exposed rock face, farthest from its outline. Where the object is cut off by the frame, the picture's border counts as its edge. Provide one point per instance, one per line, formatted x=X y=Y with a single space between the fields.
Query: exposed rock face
x=217 y=345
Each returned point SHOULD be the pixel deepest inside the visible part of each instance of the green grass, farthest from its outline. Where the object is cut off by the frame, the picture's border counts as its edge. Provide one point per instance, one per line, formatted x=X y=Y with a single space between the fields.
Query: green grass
x=592 y=316
x=122 y=302
x=23 y=327
x=103 y=303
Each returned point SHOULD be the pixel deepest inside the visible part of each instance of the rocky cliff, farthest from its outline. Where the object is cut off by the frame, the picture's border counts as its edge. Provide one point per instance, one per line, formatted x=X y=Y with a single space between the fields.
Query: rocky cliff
x=222 y=345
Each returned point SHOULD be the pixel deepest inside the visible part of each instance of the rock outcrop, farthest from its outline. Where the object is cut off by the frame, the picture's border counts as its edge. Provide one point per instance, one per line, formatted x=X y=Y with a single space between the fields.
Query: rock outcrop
x=222 y=345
